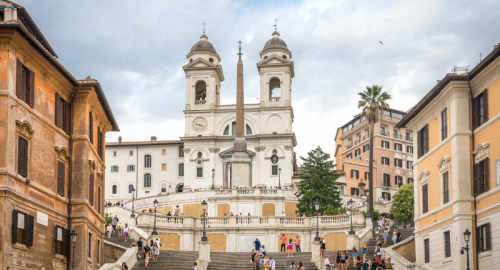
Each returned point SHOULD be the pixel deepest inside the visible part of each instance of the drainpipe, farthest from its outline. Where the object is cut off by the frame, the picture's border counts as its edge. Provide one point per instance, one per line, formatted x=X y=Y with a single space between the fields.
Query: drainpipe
x=136 y=171
x=473 y=186
x=70 y=165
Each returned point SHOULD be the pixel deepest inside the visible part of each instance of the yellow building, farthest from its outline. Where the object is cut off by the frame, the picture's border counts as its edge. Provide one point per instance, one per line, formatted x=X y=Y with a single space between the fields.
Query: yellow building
x=458 y=168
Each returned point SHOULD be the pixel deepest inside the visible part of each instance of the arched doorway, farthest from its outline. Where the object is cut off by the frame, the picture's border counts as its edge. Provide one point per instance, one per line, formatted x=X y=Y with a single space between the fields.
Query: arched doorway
x=180 y=187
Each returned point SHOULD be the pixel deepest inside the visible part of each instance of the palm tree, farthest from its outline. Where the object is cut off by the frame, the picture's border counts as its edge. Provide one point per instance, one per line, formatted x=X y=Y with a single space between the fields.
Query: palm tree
x=374 y=102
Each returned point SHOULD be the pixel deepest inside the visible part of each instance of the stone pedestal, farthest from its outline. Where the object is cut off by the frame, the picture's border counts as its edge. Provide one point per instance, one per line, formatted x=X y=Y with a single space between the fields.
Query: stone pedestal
x=352 y=241
x=203 y=255
x=240 y=169
x=132 y=222
x=315 y=254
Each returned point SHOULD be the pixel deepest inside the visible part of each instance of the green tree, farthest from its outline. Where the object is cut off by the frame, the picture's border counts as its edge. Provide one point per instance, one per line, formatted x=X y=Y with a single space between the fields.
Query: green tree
x=373 y=103
x=404 y=204
x=318 y=182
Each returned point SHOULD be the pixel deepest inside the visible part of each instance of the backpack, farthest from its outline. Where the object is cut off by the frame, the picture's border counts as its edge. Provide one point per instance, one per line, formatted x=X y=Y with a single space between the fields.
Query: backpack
x=378 y=249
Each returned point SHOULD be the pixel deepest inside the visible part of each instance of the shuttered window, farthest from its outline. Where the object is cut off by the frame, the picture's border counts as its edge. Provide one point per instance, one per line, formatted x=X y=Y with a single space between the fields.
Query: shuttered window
x=100 y=140
x=446 y=187
x=399 y=180
x=181 y=169
x=25 y=84
x=22 y=157
x=483 y=237
x=91 y=128
x=425 y=199
x=90 y=245
x=62 y=113
x=480 y=109
x=427 y=252
x=447 y=244
x=386 y=180
x=22 y=228
x=60 y=241
x=98 y=250
x=386 y=196
x=354 y=174
x=91 y=189
x=61 y=173
x=423 y=141
x=354 y=192
x=481 y=176
x=385 y=161
x=99 y=200
x=444 y=124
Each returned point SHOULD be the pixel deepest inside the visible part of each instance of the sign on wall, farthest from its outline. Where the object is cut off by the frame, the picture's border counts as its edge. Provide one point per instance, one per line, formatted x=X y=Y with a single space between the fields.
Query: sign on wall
x=42 y=218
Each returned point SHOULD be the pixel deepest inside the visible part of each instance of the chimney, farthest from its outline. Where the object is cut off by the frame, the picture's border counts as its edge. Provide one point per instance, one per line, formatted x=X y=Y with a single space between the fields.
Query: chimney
x=119 y=139
x=153 y=138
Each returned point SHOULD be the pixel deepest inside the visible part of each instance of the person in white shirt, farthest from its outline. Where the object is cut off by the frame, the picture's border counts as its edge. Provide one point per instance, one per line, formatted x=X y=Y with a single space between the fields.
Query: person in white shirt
x=272 y=263
x=327 y=263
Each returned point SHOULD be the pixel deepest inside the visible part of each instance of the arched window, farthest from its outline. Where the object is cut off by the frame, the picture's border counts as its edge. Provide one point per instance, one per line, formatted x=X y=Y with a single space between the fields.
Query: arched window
x=274 y=90
x=181 y=169
x=114 y=189
x=201 y=91
x=147 y=161
x=180 y=187
x=249 y=130
x=163 y=188
x=130 y=188
x=181 y=151
x=233 y=129
x=147 y=180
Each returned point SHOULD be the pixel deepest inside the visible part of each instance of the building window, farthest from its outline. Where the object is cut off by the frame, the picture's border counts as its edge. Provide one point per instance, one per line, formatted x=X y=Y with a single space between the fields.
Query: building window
x=342 y=190
x=408 y=136
x=446 y=188
x=423 y=141
x=447 y=244
x=354 y=174
x=367 y=175
x=357 y=152
x=349 y=143
x=181 y=169
x=22 y=156
x=60 y=241
x=482 y=176
x=25 y=84
x=163 y=152
x=399 y=180
x=130 y=168
x=163 y=188
x=349 y=155
x=114 y=153
x=98 y=249
x=248 y=130
x=425 y=199
x=61 y=173
x=147 y=180
x=427 y=251
x=19 y=228
x=181 y=151
x=274 y=170
x=91 y=189
x=383 y=131
x=409 y=149
x=354 y=192
x=385 y=144
x=164 y=167
x=480 y=109
x=91 y=128
x=114 y=189
x=99 y=200
x=386 y=196
x=366 y=148
x=483 y=234
x=114 y=168
x=90 y=245
x=386 y=180
x=130 y=188
x=398 y=162
x=385 y=161
x=410 y=180
x=409 y=165
x=398 y=147
x=444 y=124
x=147 y=161
x=131 y=153
x=199 y=172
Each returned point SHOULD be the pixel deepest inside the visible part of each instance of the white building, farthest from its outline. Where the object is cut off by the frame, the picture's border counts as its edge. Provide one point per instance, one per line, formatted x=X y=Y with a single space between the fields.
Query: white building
x=209 y=132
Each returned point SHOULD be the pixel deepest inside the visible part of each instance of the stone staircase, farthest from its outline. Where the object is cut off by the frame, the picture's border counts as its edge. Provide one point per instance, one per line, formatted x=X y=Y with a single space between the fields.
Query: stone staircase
x=371 y=244
x=241 y=260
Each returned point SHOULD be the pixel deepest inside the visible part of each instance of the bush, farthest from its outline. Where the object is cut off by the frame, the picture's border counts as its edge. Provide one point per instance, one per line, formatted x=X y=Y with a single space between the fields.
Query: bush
x=108 y=218
x=334 y=211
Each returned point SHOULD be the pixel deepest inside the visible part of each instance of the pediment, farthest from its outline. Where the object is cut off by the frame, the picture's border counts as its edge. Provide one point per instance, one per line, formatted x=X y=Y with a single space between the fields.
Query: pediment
x=273 y=59
x=229 y=153
x=199 y=63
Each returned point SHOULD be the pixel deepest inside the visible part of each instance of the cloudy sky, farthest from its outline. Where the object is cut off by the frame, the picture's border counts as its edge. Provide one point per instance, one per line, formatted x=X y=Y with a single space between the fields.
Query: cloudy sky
x=136 y=49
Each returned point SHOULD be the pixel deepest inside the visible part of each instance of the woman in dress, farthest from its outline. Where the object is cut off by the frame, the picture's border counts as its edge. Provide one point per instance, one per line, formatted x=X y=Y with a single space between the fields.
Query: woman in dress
x=290 y=247
x=147 y=255
x=354 y=255
x=155 y=251
x=337 y=261
x=110 y=229
x=363 y=251
x=386 y=232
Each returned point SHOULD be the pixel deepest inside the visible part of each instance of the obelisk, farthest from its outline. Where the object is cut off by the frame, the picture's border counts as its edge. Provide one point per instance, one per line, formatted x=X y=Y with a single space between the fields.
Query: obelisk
x=240 y=162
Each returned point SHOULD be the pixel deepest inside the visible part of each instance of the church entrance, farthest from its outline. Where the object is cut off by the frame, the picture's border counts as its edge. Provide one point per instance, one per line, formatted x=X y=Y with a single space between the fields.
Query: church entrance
x=180 y=187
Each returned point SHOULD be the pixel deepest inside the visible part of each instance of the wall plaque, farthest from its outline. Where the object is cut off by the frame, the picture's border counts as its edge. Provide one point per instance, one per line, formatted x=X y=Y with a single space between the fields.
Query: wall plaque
x=42 y=218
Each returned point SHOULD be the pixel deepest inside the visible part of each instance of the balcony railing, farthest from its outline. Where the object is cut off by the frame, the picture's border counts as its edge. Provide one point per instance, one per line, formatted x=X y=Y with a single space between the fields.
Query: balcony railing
x=397 y=136
x=274 y=99
x=410 y=139
x=349 y=146
x=356 y=142
x=366 y=137
x=384 y=133
x=200 y=102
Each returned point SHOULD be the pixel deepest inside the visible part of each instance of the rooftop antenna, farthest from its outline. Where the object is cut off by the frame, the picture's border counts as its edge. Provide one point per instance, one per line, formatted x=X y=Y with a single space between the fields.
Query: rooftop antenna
x=204 y=23
x=480 y=57
x=275 y=24
x=239 y=53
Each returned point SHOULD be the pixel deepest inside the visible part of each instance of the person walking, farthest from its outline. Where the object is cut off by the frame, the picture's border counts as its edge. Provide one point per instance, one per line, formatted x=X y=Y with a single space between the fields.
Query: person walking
x=109 y=230
x=283 y=243
x=290 y=247
x=139 y=247
x=114 y=222
x=263 y=249
x=322 y=248
x=158 y=245
x=272 y=263
x=256 y=244
x=297 y=244
x=378 y=251
x=398 y=237
x=119 y=226
x=346 y=260
x=292 y=266
x=155 y=251
x=363 y=251
x=125 y=232
x=342 y=260
x=337 y=260
x=386 y=233
x=147 y=255
x=354 y=255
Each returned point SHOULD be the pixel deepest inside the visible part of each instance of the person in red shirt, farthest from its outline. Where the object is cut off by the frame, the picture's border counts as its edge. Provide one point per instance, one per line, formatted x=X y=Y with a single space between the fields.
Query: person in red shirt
x=150 y=210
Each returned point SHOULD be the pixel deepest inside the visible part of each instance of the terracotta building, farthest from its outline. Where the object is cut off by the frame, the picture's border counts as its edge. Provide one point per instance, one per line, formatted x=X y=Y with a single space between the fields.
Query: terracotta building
x=52 y=132
x=392 y=154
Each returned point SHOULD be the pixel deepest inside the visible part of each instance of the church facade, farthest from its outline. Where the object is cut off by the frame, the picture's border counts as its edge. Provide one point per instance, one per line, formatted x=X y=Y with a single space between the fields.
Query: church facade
x=204 y=154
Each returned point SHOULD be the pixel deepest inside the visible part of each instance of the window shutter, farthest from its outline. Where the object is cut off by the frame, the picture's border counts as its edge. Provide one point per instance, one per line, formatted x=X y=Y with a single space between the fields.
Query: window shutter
x=14 y=226
x=31 y=224
x=99 y=199
x=60 y=178
x=389 y=194
x=419 y=141
x=22 y=157
x=352 y=173
x=474 y=113
x=91 y=189
x=485 y=105
x=478 y=239
x=58 y=110
x=91 y=128
x=488 y=236
x=425 y=206
x=475 y=174
x=19 y=79
x=30 y=99
x=486 y=174
x=67 y=240
x=67 y=117
x=426 y=138
x=55 y=240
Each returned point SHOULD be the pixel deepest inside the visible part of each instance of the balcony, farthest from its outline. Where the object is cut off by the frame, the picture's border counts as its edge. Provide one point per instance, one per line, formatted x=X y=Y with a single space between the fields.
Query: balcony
x=356 y=142
x=274 y=99
x=366 y=137
x=397 y=136
x=200 y=102
x=349 y=146
x=384 y=133
x=410 y=139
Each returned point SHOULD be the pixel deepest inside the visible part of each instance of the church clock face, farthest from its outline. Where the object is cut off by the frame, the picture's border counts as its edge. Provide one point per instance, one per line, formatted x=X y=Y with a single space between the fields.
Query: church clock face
x=200 y=124
x=274 y=159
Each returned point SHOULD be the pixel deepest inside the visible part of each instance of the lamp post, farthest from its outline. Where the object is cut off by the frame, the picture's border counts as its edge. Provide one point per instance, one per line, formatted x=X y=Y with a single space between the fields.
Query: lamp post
x=311 y=206
x=73 y=235
x=466 y=248
x=213 y=174
x=279 y=178
x=133 y=200
x=316 y=205
x=351 y=232
x=154 y=228
x=204 y=206
x=394 y=206
x=177 y=208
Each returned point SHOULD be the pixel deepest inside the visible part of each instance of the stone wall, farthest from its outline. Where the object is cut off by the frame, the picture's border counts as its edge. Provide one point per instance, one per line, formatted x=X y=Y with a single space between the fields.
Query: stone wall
x=290 y=208
x=112 y=252
x=170 y=241
x=192 y=210
x=217 y=242
x=165 y=209
x=336 y=241
x=268 y=210
x=223 y=209
x=407 y=250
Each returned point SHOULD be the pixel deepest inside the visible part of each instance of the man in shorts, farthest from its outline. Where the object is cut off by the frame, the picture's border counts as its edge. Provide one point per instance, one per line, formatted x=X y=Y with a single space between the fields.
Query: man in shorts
x=139 y=247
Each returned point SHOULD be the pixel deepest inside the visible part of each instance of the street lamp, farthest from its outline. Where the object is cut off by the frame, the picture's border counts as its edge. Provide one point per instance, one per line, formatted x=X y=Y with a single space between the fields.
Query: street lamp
x=316 y=205
x=311 y=206
x=177 y=208
x=133 y=200
x=213 y=174
x=279 y=179
x=466 y=248
x=204 y=206
x=73 y=235
x=394 y=206
x=351 y=232
x=154 y=228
